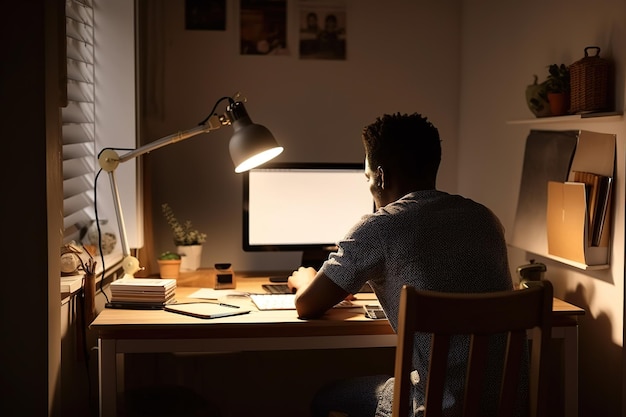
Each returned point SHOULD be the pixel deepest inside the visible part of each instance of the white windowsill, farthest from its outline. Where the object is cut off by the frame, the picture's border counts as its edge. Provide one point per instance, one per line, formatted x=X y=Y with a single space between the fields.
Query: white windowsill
x=71 y=284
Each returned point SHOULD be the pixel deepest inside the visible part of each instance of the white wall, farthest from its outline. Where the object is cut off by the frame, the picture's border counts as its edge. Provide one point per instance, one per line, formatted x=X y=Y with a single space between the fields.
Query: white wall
x=403 y=57
x=504 y=44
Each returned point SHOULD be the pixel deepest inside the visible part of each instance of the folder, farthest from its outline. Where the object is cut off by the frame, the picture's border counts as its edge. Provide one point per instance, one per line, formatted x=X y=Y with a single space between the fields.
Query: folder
x=567 y=223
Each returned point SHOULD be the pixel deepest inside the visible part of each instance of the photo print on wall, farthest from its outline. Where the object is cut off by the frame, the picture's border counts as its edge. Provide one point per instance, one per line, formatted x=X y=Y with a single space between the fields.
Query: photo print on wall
x=205 y=14
x=322 y=29
x=263 y=27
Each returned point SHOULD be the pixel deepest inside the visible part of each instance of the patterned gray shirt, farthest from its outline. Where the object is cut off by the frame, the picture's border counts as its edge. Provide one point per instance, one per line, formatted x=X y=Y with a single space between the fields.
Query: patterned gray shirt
x=430 y=240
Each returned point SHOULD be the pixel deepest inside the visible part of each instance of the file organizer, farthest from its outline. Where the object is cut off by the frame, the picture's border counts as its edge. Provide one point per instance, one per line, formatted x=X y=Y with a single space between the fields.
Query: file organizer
x=547 y=157
x=552 y=219
x=570 y=212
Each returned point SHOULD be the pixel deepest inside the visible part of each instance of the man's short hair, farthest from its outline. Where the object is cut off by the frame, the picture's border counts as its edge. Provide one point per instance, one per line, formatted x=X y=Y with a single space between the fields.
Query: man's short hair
x=408 y=144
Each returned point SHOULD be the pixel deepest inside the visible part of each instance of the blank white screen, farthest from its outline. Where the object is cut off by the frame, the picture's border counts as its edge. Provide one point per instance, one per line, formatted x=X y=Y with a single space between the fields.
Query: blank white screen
x=305 y=206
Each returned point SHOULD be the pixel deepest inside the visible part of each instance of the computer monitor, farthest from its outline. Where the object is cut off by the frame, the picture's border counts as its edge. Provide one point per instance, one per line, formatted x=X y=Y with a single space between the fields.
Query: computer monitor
x=304 y=207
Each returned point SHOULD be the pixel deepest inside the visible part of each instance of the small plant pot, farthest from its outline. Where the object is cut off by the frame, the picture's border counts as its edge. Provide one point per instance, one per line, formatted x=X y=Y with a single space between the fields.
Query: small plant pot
x=559 y=103
x=169 y=268
x=191 y=257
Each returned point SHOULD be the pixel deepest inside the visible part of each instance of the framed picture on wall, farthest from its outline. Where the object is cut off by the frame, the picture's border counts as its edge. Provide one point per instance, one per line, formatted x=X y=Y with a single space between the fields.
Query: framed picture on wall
x=205 y=14
x=322 y=29
x=263 y=27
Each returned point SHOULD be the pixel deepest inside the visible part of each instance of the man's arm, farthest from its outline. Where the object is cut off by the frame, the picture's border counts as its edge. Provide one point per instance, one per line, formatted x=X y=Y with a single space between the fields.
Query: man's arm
x=315 y=294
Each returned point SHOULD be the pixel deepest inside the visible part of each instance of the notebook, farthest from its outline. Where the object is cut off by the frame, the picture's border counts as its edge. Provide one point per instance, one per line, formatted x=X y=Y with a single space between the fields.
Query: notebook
x=205 y=310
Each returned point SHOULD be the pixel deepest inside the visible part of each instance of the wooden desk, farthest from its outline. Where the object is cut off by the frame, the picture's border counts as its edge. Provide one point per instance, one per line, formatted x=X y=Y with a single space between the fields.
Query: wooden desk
x=143 y=331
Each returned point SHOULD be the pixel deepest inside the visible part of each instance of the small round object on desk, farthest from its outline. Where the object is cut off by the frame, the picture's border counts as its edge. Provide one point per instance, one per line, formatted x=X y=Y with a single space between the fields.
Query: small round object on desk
x=70 y=262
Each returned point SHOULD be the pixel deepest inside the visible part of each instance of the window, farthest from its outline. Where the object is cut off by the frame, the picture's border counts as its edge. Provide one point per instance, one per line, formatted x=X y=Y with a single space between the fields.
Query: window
x=100 y=113
x=79 y=121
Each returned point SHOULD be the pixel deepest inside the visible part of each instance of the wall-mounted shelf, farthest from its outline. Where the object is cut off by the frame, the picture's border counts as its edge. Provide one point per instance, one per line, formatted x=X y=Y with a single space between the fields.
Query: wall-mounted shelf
x=575 y=264
x=605 y=117
x=552 y=217
x=569 y=262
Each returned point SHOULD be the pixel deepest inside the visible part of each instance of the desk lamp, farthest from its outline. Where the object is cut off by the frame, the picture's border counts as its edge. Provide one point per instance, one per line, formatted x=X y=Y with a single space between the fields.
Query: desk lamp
x=251 y=145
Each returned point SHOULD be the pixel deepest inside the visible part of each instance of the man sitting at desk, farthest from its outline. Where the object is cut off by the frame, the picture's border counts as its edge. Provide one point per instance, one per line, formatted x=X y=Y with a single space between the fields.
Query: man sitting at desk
x=418 y=236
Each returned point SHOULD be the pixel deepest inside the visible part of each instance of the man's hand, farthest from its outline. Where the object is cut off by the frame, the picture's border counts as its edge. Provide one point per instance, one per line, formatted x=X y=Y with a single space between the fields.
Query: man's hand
x=301 y=278
x=315 y=292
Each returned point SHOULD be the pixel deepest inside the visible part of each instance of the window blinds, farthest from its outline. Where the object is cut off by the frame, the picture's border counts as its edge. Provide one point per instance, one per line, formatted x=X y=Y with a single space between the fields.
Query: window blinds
x=79 y=153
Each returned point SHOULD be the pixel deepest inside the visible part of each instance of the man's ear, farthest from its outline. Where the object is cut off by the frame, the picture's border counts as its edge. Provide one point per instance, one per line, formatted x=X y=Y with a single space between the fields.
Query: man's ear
x=380 y=174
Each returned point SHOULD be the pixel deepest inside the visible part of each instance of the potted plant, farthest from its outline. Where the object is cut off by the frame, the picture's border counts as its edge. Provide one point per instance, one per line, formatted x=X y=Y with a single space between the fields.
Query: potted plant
x=187 y=239
x=169 y=264
x=558 y=88
x=537 y=98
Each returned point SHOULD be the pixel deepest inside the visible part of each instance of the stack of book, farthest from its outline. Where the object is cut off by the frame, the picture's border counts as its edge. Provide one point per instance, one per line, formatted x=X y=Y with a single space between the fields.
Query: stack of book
x=142 y=293
x=598 y=202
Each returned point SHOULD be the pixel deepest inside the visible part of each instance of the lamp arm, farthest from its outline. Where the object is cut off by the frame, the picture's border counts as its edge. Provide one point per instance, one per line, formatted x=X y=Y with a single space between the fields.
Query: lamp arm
x=109 y=161
x=130 y=264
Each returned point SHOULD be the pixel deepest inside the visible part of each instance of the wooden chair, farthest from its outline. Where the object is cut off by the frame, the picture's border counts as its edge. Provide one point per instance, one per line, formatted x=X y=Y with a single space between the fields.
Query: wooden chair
x=477 y=315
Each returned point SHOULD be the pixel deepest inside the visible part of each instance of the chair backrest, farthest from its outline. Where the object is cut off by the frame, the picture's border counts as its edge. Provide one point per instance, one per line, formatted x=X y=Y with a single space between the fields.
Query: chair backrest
x=476 y=315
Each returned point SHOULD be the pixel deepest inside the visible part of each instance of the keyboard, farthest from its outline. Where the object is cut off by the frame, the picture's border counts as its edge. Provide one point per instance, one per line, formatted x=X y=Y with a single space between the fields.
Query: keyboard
x=277 y=288
x=274 y=301
x=285 y=302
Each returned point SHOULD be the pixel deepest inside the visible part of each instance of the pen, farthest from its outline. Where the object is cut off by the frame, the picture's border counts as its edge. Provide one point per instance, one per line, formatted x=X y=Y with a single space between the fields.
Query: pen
x=212 y=302
x=228 y=305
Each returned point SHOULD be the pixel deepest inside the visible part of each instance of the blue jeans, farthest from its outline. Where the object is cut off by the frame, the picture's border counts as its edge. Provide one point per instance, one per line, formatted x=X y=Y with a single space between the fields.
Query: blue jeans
x=356 y=397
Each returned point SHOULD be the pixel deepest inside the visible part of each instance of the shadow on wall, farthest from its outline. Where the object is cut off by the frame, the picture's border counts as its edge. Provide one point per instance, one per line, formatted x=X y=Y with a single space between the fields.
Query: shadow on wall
x=600 y=360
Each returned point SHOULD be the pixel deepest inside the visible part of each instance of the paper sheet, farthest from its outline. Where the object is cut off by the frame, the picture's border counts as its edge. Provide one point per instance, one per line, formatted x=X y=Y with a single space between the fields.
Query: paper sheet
x=212 y=294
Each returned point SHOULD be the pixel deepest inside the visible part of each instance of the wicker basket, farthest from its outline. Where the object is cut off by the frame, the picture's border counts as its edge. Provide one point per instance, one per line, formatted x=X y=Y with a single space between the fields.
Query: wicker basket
x=590 y=83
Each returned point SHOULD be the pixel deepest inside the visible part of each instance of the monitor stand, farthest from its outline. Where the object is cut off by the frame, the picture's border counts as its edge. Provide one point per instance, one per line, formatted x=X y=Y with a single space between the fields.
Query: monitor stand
x=315 y=257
